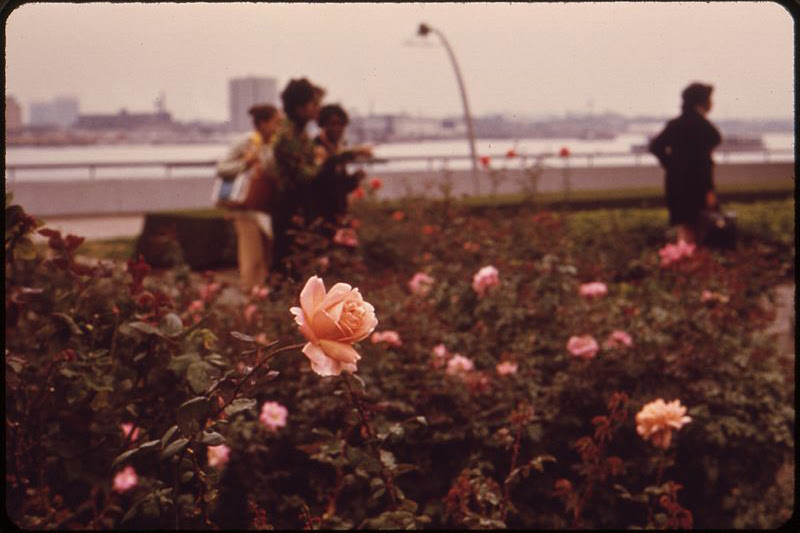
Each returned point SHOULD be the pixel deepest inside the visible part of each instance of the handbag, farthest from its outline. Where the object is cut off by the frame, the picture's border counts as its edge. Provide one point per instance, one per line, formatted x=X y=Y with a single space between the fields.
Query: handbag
x=717 y=229
x=260 y=192
x=232 y=193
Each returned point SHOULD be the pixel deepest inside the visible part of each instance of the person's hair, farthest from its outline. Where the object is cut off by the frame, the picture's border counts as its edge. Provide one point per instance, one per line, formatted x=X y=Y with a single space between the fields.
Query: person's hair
x=329 y=111
x=297 y=93
x=262 y=112
x=696 y=94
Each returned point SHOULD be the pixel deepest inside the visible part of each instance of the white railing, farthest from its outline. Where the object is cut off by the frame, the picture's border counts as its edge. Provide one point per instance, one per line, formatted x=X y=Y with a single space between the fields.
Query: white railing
x=89 y=170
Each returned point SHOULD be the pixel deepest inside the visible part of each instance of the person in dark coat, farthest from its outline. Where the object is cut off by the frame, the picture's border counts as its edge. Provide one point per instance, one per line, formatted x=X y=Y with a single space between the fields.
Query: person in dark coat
x=684 y=149
x=334 y=183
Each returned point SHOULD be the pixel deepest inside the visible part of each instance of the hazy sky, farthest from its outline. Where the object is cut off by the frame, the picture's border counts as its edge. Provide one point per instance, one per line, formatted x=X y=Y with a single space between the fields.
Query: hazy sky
x=523 y=58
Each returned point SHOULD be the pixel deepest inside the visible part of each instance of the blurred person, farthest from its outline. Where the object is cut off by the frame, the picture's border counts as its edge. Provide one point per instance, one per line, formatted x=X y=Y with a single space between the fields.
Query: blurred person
x=296 y=164
x=334 y=183
x=251 y=219
x=684 y=149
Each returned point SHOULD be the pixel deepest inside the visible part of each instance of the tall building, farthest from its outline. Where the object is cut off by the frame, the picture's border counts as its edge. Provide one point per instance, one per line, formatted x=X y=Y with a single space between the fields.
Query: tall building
x=60 y=111
x=13 y=114
x=246 y=92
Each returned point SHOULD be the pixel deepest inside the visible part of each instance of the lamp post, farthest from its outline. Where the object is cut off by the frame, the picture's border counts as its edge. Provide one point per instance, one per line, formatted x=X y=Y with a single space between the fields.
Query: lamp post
x=423 y=31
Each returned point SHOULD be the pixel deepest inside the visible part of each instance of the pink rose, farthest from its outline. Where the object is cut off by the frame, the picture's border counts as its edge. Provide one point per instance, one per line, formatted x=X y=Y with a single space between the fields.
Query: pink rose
x=249 y=313
x=332 y=322
x=584 y=346
x=346 y=237
x=485 y=278
x=218 y=455
x=420 y=284
x=125 y=480
x=618 y=339
x=259 y=292
x=126 y=430
x=439 y=351
x=208 y=290
x=459 y=365
x=273 y=415
x=671 y=253
x=196 y=306
x=391 y=337
x=506 y=368
x=710 y=296
x=595 y=288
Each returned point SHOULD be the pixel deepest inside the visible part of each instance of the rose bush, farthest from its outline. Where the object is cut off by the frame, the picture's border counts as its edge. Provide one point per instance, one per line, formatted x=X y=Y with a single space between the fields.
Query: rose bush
x=480 y=418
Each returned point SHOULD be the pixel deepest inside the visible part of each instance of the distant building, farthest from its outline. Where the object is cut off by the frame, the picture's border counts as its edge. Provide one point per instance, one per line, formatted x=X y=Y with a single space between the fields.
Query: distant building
x=402 y=127
x=125 y=120
x=61 y=111
x=13 y=114
x=243 y=93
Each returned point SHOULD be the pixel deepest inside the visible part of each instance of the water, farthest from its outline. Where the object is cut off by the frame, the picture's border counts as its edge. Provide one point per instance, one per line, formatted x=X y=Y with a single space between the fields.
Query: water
x=496 y=148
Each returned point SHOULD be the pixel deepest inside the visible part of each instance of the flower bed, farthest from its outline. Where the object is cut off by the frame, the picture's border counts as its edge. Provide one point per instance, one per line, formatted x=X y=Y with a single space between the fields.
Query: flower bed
x=528 y=369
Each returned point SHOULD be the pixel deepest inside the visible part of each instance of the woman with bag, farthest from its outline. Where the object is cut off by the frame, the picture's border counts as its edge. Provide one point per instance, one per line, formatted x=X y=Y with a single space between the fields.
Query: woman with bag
x=684 y=149
x=251 y=164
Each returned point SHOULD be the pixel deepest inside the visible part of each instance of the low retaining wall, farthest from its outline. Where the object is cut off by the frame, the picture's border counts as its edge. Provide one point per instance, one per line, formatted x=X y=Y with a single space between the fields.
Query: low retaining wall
x=139 y=195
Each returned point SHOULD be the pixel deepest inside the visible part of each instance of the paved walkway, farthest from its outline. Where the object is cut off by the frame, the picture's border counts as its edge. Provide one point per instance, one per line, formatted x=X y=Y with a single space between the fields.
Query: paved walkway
x=97 y=228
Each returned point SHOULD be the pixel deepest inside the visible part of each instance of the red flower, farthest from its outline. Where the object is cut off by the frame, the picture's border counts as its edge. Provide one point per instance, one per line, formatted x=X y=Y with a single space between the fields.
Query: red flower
x=511 y=153
x=375 y=184
x=564 y=152
x=398 y=215
x=358 y=194
x=428 y=229
x=485 y=161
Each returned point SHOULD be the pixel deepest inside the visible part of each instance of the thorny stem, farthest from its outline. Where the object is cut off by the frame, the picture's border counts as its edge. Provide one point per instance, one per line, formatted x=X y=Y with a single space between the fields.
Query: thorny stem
x=387 y=477
x=247 y=377
x=506 y=486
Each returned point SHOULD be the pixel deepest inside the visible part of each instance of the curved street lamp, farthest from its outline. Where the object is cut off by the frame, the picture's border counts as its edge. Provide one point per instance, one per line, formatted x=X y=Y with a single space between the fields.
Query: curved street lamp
x=423 y=31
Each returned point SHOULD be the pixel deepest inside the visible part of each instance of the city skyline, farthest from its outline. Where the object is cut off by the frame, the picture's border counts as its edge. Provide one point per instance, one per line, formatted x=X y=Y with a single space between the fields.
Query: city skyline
x=371 y=60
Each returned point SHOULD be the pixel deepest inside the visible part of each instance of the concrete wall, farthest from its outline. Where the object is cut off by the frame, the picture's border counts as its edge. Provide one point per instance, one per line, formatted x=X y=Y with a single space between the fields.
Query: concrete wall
x=137 y=195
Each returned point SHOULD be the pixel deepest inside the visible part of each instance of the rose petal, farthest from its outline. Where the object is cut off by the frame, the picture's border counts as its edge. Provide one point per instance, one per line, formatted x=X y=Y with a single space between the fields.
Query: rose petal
x=302 y=321
x=312 y=295
x=339 y=351
x=321 y=363
x=325 y=327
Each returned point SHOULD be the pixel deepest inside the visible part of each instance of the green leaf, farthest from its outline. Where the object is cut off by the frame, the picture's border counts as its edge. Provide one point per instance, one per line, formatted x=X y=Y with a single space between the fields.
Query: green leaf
x=242 y=337
x=198 y=377
x=174 y=448
x=171 y=325
x=150 y=444
x=192 y=414
x=168 y=435
x=122 y=457
x=144 y=327
x=66 y=319
x=212 y=438
x=240 y=404
x=25 y=249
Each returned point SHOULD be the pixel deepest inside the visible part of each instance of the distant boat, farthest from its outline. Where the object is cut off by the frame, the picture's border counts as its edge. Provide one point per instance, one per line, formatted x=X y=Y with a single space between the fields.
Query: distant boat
x=731 y=143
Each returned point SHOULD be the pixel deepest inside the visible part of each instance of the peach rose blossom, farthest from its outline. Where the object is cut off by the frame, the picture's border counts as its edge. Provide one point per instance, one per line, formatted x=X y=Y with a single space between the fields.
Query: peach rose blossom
x=126 y=429
x=657 y=419
x=485 y=278
x=209 y=290
x=618 y=339
x=218 y=455
x=389 y=336
x=125 y=480
x=420 y=284
x=196 y=306
x=584 y=346
x=331 y=322
x=595 y=288
x=506 y=368
x=273 y=415
x=459 y=364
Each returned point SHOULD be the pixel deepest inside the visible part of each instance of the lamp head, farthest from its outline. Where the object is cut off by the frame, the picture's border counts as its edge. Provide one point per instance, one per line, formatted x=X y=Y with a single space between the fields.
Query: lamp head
x=423 y=30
